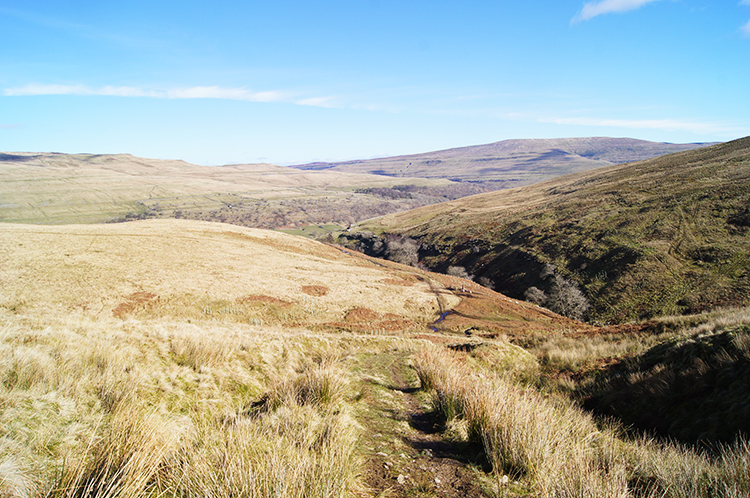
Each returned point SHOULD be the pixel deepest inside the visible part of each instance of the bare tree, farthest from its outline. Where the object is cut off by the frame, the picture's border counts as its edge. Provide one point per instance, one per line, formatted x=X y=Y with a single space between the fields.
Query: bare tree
x=459 y=271
x=403 y=250
x=535 y=295
x=567 y=299
x=486 y=282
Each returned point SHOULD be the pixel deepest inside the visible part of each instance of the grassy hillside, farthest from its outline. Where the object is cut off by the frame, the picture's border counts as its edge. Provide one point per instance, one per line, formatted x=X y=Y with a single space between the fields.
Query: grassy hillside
x=182 y=358
x=83 y=188
x=511 y=162
x=664 y=236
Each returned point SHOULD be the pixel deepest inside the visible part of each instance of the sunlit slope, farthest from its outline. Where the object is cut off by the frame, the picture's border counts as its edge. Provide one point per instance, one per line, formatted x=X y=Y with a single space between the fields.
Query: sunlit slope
x=513 y=162
x=191 y=270
x=656 y=237
x=83 y=188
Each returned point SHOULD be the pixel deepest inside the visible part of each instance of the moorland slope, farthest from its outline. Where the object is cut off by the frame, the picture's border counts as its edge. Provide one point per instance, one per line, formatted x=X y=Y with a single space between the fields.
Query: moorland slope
x=208 y=271
x=52 y=188
x=513 y=163
x=204 y=359
x=184 y=358
x=663 y=236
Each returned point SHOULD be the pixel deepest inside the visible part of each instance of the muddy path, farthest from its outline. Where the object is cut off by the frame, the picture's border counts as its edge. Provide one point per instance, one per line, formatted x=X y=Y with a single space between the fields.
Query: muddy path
x=405 y=453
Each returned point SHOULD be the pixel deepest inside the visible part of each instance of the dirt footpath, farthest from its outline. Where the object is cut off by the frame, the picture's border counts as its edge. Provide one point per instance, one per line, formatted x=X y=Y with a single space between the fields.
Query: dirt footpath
x=405 y=453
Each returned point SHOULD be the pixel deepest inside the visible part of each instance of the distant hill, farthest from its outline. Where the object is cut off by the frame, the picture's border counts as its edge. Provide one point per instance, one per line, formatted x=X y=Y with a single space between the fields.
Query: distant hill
x=513 y=162
x=53 y=188
x=668 y=235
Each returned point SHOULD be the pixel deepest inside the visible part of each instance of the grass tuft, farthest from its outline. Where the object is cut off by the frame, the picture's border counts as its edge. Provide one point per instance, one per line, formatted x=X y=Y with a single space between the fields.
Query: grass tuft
x=560 y=450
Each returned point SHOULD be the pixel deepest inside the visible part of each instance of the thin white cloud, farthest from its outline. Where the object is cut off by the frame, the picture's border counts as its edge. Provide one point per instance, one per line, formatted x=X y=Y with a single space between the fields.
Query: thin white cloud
x=696 y=127
x=317 y=102
x=35 y=89
x=216 y=92
x=593 y=9
x=198 y=92
x=745 y=30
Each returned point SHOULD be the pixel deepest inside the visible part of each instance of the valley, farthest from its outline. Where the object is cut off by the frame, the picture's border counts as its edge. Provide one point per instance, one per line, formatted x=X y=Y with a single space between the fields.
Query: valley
x=158 y=340
x=84 y=188
x=652 y=238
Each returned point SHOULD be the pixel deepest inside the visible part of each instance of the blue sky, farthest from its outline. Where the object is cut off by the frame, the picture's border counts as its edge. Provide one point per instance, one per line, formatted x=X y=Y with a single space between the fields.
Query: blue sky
x=291 y=82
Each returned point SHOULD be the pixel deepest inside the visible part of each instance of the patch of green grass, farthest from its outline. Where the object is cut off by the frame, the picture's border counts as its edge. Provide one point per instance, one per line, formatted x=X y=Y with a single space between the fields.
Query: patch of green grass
x=312 y=231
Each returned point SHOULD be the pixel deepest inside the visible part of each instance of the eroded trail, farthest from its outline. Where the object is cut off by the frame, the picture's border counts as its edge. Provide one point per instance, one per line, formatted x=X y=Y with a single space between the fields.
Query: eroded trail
x=405 y=453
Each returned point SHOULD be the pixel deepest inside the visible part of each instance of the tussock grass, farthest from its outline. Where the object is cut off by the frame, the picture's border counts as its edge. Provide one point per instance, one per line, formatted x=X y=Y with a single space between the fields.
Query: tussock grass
x=691 y=386
x=292 y=451
x=553 y=445
x=124 y=456
x=559 y=450
x=572 y=354
x=581 y=354
x=317 y=386
x=116 y=408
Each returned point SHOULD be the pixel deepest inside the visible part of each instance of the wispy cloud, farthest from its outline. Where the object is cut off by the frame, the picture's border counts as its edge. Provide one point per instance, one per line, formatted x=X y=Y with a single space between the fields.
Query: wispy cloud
x=697 y=127
x=85 y=31
x=745 y=30
x=593 y=9
x=197 y=92
x=9 y=126
x=317 y=102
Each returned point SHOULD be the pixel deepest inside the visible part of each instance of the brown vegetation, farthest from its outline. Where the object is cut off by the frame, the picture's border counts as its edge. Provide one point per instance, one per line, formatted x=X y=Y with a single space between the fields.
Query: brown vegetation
x=315 y=290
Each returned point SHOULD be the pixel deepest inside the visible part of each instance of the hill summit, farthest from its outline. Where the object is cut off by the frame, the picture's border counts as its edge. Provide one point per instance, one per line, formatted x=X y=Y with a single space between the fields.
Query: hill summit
x=512 y=162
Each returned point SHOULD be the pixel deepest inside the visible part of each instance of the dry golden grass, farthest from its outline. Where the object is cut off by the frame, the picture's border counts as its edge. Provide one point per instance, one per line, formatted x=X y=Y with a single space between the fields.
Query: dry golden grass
x=196 y=271
x=176 y=358
x=83 y=188
x=106 y=407
x=186 y=359
x=558 y=450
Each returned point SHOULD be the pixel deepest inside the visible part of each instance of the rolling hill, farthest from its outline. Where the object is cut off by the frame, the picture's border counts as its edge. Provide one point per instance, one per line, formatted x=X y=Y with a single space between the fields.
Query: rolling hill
x=52 y=188
x=663 y=236
x=177 y=357
x=208 y=271
x=511 y=162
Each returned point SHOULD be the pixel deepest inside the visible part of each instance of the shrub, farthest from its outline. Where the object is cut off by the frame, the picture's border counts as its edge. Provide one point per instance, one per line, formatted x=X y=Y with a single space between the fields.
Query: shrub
x=535 y=295
x=459 y=271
